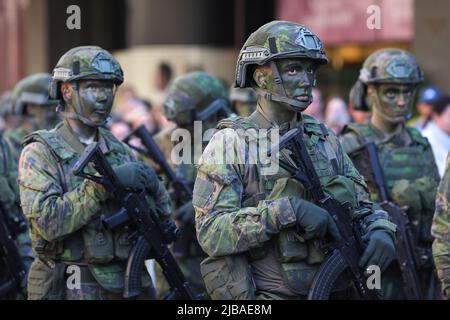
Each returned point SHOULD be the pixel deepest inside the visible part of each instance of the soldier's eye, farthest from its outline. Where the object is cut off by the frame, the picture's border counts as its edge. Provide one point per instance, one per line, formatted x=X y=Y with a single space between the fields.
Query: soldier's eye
x=390 y=94
x=310 y=70
x=292 y=71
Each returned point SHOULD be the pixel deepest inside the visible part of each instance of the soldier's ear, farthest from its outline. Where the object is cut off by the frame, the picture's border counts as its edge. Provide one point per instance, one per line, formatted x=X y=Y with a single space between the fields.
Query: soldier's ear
x=66 y=92
x=260 y=77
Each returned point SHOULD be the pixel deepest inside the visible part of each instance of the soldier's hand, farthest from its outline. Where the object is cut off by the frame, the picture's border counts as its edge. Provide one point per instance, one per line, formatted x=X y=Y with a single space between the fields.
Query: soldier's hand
x=380 y=251
x=315 y=221
x=132 y=175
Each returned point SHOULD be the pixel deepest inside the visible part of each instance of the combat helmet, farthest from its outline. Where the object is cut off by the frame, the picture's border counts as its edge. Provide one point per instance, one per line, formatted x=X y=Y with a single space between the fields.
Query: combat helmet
x=196 y=96
x=84 y=63
x=33 y=89
x=6 y=104
x=391 y=66
x=273 y=41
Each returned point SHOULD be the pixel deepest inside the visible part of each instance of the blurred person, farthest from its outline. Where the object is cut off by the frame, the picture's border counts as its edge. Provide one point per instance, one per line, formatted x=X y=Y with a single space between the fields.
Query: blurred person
x=428 y=97
x=356 y=105
x=337 y=115
x=5 y=112
x=440 y=231
x=390 y=78
x=316 y=108
x=196 y=96
x=243 y=101
x=162 y=79
x=30 y=101
x=438 y=131
x=120 y=129
x=124 y=96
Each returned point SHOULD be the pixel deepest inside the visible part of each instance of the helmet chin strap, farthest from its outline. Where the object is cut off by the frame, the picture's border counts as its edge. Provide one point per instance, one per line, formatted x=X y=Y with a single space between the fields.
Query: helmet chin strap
x=294 y=104
x=77 y=115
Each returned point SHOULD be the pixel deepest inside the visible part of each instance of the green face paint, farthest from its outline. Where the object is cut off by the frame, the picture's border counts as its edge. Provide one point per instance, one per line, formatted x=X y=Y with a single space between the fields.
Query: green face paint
x=298 y=77
x=394 y=101
x=96 y=99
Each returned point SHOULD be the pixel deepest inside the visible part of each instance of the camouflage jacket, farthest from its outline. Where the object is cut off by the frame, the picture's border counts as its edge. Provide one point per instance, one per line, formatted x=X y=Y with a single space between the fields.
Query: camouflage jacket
x=11 y=202
x=15 y=139
x=409 y=170
x=441 y=231
x=64 y=210
x=237 y=211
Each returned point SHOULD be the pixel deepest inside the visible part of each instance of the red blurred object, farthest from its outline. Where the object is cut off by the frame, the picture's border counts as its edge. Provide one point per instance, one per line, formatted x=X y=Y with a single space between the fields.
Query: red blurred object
x=12 y=26
x=345 y=21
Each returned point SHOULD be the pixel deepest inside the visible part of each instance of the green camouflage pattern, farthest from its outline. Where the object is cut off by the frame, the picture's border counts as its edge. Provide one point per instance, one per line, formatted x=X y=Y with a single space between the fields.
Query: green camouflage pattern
x=292 y=40
x=33 y=89
x=412 y=178
x=391 y=66
x=10 y=199
x=233 y=212
x=64 y=210
x=85 y=63
x=441 y=232
x=14 y=138
x=190 y=94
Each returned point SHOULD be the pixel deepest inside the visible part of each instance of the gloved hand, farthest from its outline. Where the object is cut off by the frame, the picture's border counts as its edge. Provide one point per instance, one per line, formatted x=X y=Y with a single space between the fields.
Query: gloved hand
x=380 y=251
x=315 y=221
x=137 y=176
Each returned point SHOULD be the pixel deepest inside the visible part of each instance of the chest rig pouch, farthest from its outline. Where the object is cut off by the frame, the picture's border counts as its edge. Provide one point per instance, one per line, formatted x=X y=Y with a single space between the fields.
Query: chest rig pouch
x=299 y=259
x=93 y=243
x=411 y=177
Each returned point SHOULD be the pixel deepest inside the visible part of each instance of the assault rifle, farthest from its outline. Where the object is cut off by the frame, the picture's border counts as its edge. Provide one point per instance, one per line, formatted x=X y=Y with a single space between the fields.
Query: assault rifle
x=182 y=191
x=343 y=254
x=150 y=237
x=407 y=258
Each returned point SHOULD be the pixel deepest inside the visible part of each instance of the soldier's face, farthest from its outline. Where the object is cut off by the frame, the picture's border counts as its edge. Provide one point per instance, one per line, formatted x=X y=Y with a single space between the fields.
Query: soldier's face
x=395 y=101
x=298 y=77
x=96 y=99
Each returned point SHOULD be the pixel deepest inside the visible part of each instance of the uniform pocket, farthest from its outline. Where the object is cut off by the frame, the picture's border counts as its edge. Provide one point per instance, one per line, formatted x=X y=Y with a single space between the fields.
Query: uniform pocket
x=45 y=283
x=228 y=278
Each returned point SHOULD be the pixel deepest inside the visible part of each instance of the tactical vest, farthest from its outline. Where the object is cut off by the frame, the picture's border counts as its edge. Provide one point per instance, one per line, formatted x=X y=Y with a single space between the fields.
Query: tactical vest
x=299 y=260
x=93 y=244
x=412 y=164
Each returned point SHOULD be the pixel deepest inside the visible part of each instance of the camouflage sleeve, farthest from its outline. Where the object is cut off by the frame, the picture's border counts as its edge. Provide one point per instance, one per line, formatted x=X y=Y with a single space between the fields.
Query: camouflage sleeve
x=373 y=215
x=440 y=230
x=223 y=226
x=54 y=214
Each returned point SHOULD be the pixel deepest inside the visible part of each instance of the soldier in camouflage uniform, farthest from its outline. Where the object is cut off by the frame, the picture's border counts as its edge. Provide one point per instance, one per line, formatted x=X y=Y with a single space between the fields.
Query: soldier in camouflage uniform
x=389 y=78
x=64 y=211
x=9 y=198
x=441 y=232
x=30 y=101
x=246 y=217
x=243 y=100
x=188 y=98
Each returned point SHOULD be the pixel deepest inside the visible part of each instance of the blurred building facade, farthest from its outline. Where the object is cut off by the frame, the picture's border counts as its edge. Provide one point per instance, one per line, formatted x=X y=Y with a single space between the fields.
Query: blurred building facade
x=193 y=34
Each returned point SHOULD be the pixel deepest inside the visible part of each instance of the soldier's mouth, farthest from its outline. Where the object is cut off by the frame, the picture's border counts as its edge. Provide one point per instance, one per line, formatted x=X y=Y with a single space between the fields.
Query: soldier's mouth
x=302 y=98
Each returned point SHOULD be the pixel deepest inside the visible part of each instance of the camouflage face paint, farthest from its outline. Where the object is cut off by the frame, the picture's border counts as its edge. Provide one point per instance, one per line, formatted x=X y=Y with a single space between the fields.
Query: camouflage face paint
x=394 y=101
x=96 y=99
x=298 y=76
